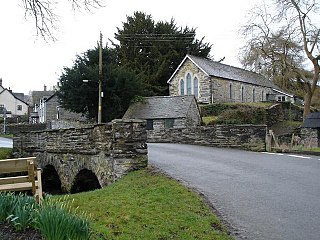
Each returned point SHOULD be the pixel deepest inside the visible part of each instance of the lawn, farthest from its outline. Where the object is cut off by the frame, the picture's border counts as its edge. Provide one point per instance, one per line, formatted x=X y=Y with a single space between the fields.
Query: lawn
x=148 y=205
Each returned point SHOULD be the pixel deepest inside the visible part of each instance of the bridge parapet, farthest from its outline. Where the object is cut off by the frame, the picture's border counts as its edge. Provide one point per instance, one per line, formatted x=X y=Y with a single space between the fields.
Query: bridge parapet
x=108 y=150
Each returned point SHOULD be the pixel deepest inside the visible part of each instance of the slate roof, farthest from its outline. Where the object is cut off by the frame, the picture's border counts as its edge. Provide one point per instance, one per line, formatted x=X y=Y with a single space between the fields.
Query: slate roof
x=312 y=121
x=212 y=68
x=160 y=107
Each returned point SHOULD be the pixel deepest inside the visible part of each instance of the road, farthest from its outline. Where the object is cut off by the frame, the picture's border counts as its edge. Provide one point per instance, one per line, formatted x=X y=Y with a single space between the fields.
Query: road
x=264 y=196
x=6 y=142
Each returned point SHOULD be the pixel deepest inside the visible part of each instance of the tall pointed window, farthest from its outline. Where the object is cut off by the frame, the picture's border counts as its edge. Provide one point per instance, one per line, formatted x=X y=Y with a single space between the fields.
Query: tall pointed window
x=253 y=95
x=262 y=96
x=196 y=87
x=181 y=87
x=230 y=91
x=242 y=94
x=189 y=89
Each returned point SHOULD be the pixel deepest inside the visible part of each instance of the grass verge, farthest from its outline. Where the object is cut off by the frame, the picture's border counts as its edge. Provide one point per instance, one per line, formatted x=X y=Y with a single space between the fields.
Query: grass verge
x=5 y=153
x=147 y=205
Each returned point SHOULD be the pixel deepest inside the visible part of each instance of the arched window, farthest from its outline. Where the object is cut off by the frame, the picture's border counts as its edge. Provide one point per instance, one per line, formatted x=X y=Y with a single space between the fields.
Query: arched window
x=196 y=87
x=181 y=87
x=262 y=96
x=230 y=91
x=253 y=95
x=242 y=94
x=189 y=89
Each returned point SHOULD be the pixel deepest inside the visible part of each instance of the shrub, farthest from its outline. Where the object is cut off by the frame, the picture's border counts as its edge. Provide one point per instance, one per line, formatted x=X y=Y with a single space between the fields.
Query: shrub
x=242 y=115
x=8 y=202
x=215 y=109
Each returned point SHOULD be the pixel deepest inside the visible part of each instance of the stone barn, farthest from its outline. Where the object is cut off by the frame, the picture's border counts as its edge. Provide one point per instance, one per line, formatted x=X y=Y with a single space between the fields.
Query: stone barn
x=166 y=112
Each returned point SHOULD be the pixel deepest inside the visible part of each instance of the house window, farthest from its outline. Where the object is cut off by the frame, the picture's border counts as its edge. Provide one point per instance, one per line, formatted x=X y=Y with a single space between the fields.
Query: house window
x=168 y=123
x=253 y=95
x=196 y=87
x=181 y=87
x=262 y=93
x=281 y=99
x=230 y=91
x=19 y=107
x=189 y=89
x=149 y=124
x=242 y=94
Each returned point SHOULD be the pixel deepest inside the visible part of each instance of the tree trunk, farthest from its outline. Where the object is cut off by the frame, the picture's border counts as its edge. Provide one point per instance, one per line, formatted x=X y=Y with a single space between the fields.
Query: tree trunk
x=307 y=105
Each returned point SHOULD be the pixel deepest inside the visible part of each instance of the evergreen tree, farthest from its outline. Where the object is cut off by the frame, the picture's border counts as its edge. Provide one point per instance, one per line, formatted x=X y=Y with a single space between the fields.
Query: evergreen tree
x=119 y=85
x=153 y=50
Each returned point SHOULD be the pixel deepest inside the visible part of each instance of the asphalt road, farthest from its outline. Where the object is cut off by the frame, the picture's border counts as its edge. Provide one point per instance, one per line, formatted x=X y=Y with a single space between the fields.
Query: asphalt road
x=264 y=196
x=6 y=142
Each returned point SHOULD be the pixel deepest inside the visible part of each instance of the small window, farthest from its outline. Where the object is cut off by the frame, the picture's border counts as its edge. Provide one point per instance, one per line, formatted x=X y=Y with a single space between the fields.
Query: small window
x=230 y=91
x=181 y=87
x=168 y=123
x=19 y=107
x=149 y=124
x=262 y=96
x=242 y=94
x=281 y=98
x=253 y=95
x=196 y=87
x=189 y=92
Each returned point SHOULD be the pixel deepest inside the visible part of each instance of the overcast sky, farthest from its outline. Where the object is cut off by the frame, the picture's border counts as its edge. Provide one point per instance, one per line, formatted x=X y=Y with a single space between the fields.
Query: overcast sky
x=28 y=63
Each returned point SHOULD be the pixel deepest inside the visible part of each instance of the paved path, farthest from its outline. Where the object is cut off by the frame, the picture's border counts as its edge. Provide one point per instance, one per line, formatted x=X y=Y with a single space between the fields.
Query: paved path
x=6 y=142
x=264 y=196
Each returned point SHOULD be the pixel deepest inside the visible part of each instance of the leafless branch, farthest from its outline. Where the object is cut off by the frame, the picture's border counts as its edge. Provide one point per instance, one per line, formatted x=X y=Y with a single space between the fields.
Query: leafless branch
x=45 y=19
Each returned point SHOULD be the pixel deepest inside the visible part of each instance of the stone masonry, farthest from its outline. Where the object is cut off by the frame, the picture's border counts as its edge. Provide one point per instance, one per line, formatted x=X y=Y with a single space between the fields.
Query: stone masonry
x=109 y=150
x=247 y=137
x=215 y=89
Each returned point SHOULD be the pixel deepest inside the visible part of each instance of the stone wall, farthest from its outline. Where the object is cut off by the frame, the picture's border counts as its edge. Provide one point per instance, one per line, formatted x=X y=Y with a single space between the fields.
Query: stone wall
x=109 y=150
x=247 y=137
x=23 y=127
x=284 y=111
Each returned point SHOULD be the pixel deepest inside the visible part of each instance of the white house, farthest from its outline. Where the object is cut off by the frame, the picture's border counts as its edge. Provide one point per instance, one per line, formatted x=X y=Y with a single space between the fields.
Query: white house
x=13 y=104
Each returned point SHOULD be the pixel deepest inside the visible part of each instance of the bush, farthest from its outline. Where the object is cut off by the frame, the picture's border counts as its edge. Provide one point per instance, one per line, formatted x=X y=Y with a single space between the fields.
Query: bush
x=215 y=109
x=242 y=115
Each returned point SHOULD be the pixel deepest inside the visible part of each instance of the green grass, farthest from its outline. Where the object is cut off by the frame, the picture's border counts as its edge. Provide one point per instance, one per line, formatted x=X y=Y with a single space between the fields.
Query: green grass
x=209 y=119
x=6 y=136
x=5 y=153
x=147 y=205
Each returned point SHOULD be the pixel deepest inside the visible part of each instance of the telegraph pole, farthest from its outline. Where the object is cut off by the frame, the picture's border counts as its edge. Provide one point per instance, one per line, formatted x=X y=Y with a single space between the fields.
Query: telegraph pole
x=100 y=80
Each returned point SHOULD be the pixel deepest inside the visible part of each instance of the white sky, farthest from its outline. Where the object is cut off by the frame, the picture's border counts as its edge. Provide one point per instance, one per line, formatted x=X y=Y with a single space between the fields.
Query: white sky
x=28 y=63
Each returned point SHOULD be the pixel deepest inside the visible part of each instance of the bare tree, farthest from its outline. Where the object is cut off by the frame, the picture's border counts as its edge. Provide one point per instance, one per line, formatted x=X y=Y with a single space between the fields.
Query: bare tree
x=286 y=43
x=44 y=16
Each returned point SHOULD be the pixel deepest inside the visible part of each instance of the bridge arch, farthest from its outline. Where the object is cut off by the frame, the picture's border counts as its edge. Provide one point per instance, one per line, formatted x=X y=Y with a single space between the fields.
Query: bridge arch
x=51 y=182
x=85 y=180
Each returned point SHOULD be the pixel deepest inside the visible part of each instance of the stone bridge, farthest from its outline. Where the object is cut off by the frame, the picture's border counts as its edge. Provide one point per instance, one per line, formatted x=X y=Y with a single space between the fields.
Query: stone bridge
x=75 y=160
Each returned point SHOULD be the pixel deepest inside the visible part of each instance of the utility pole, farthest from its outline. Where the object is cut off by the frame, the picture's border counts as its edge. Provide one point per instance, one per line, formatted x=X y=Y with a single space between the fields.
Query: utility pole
x=100 y=80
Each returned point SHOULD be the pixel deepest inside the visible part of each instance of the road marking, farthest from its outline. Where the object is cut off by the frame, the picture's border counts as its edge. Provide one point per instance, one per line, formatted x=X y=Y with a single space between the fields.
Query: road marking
x=280 y=154
x=291 y=155
x=297 y=156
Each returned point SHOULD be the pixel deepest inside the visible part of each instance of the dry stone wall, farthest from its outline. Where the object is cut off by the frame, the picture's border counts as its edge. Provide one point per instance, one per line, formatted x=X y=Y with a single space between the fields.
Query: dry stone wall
x=108 y=150
x=247 y=137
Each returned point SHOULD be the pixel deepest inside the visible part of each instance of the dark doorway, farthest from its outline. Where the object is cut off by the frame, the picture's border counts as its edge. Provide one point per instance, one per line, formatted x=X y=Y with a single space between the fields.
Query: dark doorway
x=85 y=181
x=50 y=180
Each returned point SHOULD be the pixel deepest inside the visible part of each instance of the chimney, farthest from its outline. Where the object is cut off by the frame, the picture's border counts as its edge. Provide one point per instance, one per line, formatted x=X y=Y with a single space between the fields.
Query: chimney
x=44 y=88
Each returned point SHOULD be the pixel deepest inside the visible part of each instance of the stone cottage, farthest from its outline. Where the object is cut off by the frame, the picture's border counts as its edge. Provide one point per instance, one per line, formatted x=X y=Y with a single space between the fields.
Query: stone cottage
x=166 y=112
x=211 y=82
